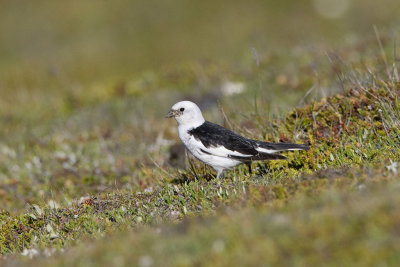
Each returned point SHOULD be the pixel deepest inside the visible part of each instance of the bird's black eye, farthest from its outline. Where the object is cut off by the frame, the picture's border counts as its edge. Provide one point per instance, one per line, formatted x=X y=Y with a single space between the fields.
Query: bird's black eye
x=182 y=109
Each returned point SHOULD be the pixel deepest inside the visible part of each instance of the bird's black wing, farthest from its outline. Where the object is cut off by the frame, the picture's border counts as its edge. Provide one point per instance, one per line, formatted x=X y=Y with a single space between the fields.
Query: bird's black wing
x=214 y=135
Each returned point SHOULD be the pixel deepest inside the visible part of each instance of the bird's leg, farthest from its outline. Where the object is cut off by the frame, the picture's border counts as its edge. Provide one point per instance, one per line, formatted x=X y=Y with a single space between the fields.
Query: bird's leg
x=219 y=173
x=264 y=168
x=250 y=169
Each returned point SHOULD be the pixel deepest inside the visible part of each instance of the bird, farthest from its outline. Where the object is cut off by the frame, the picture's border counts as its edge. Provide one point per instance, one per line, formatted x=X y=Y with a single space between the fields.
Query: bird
x=218 y=147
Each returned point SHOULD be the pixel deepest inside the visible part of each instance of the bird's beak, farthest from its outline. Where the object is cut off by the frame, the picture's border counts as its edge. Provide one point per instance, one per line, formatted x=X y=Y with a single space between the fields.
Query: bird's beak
x=172 y=113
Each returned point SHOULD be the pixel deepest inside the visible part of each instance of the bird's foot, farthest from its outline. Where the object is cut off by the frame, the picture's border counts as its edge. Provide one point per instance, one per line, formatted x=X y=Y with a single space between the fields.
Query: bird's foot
x=262 y=169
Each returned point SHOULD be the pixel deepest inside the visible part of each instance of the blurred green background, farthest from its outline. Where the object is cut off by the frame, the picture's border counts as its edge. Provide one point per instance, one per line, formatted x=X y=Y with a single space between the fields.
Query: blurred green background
x=60 y=56
x=91 y=39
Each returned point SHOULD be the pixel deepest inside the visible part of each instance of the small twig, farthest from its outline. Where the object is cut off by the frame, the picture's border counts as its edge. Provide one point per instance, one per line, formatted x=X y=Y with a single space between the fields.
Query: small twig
x=159 y=167
x=256 y=58
x=336 y=72
x=383 y=54
x=301 y=102
x=224 y=115
x=192 y=168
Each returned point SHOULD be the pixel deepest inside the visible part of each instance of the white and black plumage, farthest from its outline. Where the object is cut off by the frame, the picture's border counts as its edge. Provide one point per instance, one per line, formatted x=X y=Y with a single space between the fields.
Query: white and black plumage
x=219 y=147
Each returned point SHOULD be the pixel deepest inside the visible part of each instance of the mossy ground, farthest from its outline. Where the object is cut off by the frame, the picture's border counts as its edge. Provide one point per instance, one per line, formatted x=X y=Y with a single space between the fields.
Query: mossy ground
x=86 y=175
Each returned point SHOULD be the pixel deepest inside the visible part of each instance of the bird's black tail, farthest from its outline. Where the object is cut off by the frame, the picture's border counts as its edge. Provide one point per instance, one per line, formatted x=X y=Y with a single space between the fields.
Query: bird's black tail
x=266 y=147
x=267 y=151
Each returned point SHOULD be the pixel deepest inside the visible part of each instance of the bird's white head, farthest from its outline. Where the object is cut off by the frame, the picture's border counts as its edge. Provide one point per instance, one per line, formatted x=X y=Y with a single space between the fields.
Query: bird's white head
x=187 y=114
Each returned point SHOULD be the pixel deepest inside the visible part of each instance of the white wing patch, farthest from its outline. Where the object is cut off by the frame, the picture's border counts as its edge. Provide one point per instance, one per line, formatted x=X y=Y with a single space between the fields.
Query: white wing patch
x=271 y=151
x=222 y=151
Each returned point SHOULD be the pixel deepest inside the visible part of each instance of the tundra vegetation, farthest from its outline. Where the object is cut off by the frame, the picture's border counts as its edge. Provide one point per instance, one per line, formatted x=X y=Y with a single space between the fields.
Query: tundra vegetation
x=92 y=174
